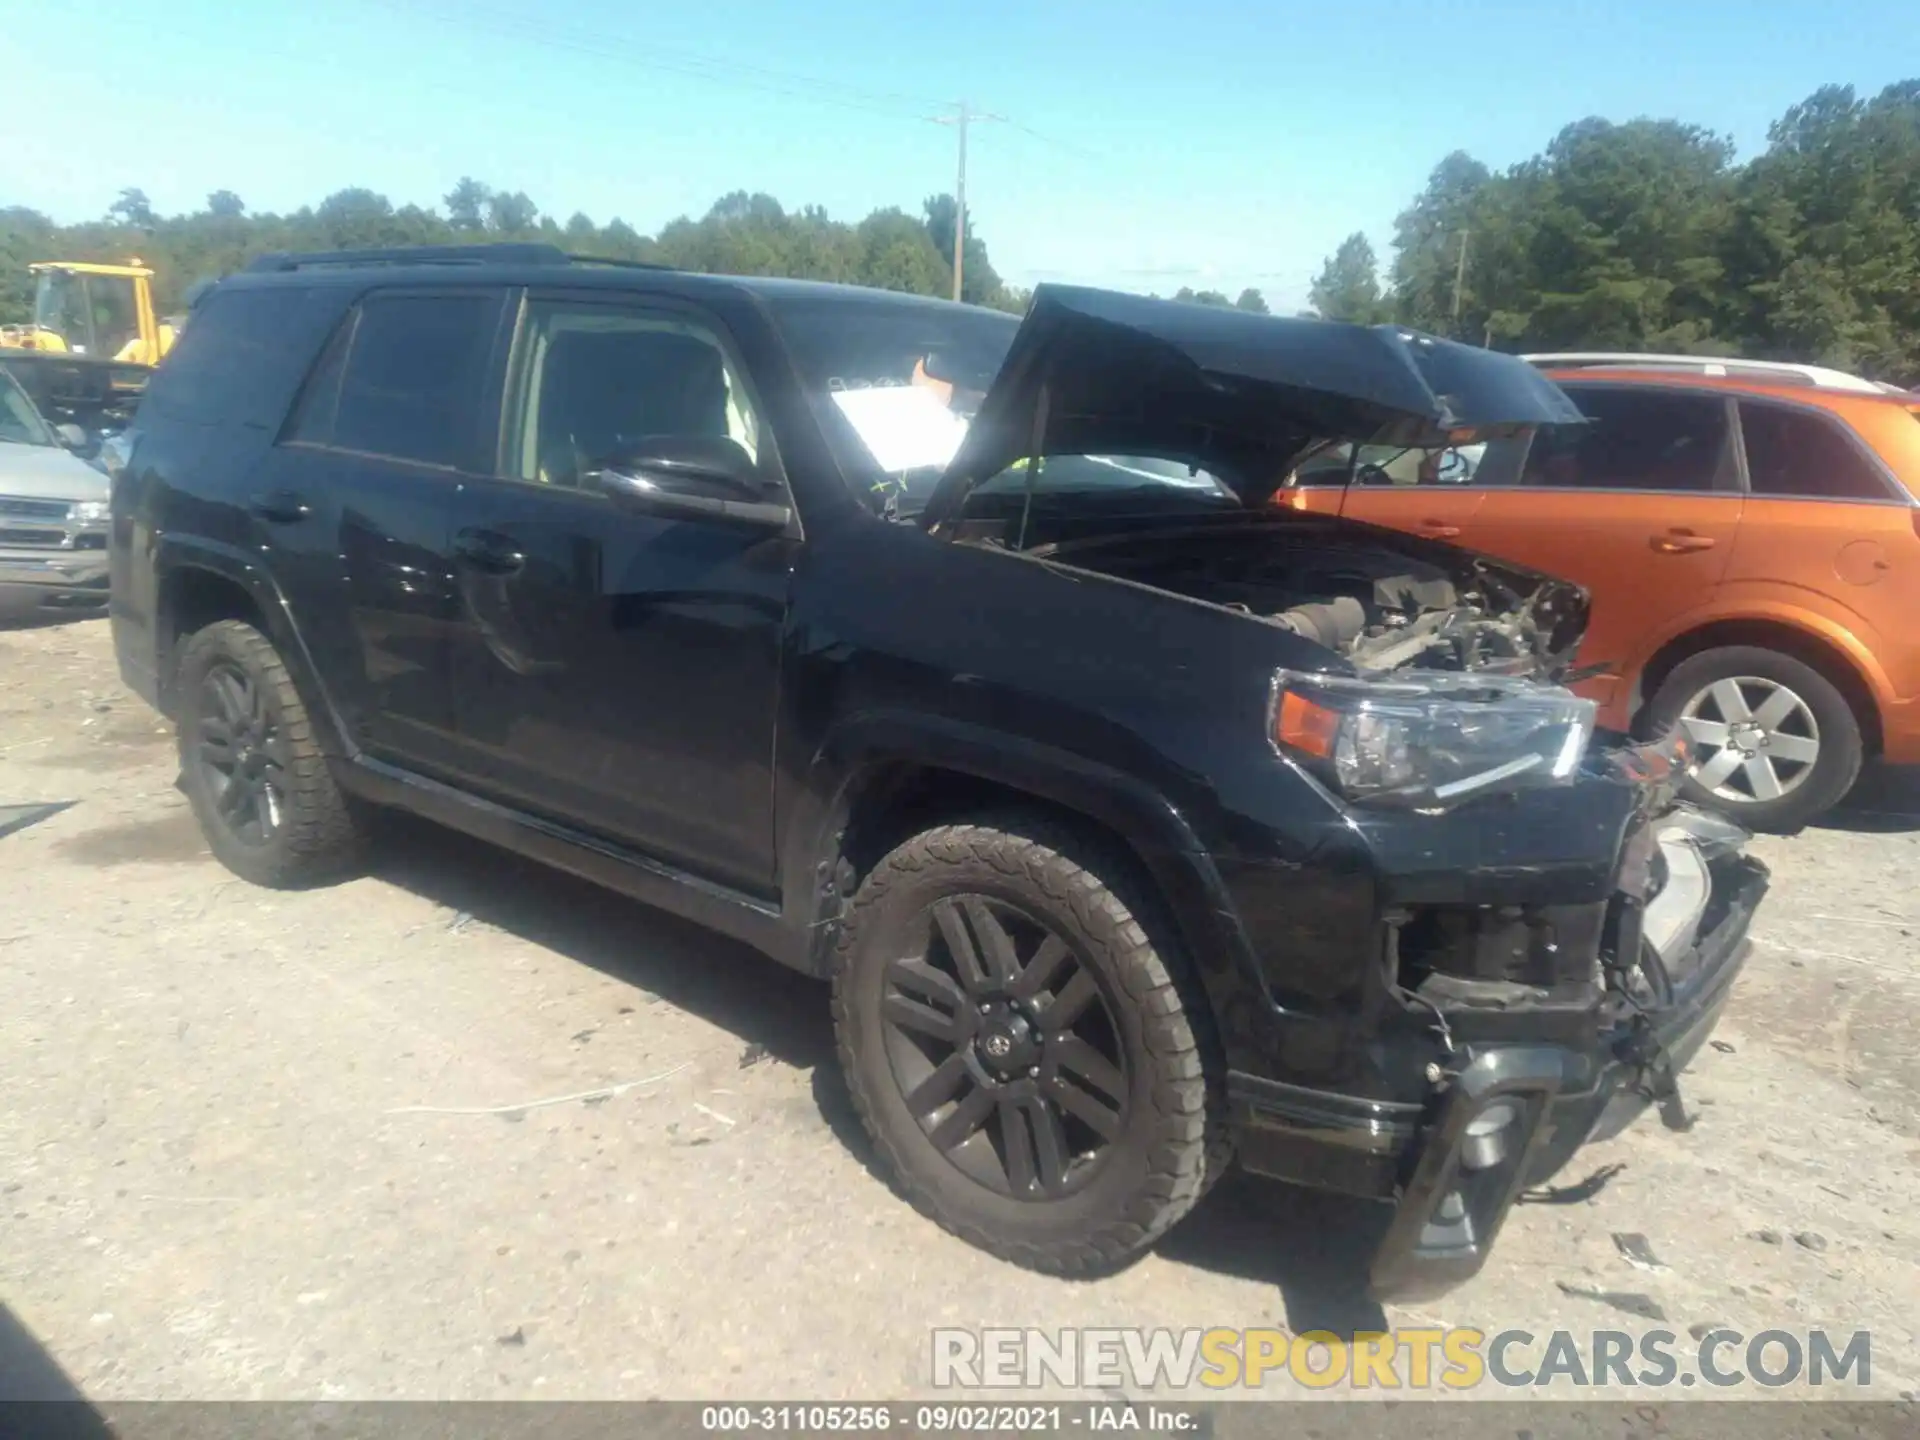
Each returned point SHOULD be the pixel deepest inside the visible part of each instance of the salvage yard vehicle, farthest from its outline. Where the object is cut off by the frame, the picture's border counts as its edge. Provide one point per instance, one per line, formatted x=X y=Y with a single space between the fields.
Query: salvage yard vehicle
x=963 y=663
x=1750 y=535
x=53 y=515
x=93 y=342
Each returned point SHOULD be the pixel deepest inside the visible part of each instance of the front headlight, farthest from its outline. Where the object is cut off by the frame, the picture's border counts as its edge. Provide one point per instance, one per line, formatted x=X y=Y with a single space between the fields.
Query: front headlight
x=89 y=512
x=1432 y=740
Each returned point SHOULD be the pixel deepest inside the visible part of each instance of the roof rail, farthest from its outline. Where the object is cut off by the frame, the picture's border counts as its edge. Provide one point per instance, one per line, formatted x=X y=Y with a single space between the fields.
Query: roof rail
x=535 y=254
x=577 y=259
x=1776 y=371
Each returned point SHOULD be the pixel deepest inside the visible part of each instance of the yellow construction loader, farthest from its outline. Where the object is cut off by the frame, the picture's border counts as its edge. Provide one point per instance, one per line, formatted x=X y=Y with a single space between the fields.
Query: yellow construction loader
x=93 y=342
x=102 y=311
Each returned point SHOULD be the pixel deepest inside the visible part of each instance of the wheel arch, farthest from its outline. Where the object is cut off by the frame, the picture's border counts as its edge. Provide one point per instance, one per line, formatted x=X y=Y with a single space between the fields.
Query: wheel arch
x=885 y=779
x=200 y=583
x=1820 y=652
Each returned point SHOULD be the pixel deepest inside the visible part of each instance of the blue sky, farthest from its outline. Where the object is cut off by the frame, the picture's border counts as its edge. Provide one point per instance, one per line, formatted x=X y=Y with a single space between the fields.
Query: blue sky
x=1208 y=143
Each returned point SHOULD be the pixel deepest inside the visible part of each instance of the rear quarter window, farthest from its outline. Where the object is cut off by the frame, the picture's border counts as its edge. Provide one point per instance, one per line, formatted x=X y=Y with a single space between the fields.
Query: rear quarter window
x=243 y=356
x=1792 y=452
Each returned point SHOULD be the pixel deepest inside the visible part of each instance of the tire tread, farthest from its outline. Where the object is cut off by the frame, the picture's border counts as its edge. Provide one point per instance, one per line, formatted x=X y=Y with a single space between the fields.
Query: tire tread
x=320 y=838
x=1190 y=1144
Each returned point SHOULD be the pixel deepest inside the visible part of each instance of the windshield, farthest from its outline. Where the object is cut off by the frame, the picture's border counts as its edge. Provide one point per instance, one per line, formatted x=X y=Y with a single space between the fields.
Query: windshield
x=896 y=382
x=20 y=422
x=60 y=305
x=92 y=314
x=116 y=323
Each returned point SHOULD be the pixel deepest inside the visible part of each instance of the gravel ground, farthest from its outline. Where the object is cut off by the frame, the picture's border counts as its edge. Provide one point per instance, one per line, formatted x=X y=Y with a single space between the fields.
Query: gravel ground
x=246 y=1149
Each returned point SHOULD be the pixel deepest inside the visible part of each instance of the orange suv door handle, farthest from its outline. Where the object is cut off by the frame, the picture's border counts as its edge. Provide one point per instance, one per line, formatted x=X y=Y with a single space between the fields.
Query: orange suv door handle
x=1681 y=542
x=1439 y=529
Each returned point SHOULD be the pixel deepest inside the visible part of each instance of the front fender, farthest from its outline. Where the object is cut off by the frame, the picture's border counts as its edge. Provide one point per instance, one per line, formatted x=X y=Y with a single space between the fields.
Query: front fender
x=863 y=749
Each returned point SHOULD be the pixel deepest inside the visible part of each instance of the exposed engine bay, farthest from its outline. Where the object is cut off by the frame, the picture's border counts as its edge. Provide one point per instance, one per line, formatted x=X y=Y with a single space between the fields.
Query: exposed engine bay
x=1381 y=606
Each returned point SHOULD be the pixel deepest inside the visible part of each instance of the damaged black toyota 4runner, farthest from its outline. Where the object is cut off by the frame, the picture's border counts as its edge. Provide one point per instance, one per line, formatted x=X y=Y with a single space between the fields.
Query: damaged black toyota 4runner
x=963 y=662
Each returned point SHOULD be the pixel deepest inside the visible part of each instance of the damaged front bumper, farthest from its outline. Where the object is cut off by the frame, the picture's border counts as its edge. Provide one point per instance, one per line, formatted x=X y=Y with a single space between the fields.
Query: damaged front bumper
x=1506 y=1114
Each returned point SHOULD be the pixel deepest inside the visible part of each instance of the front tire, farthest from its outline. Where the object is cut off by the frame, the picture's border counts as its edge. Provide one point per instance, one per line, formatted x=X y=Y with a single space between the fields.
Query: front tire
x=1035 y=1071
x=1775 y=742
x=251 y=766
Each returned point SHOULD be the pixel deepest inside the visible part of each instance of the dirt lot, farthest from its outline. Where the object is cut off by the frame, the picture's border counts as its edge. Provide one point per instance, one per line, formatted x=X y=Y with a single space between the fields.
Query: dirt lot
x=245 y=1147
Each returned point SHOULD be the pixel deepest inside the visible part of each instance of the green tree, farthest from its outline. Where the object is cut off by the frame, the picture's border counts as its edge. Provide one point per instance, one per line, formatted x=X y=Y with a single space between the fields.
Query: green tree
x=1348 y=285
x=1252 y=300
x=467 y=204
x=226 y=205
x=133 y=208
x=897 y=254
x=1824 y=249
x=980 y=284
x=511 y=213
x=1427 y=237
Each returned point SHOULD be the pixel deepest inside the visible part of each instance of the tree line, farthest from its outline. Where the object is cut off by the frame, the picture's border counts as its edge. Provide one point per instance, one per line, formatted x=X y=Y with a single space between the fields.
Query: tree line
x=742 y=234
x=1647 y=236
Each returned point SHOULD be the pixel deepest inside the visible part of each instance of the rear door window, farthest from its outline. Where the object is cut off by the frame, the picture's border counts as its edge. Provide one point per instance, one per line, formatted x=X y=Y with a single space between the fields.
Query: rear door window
x=1636 y=439
x=407 y=380
x=1793 y=452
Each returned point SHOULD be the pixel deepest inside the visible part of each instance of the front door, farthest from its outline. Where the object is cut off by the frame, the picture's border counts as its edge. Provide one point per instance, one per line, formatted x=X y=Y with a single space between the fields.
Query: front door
x=619 y=672
x=1431 y=493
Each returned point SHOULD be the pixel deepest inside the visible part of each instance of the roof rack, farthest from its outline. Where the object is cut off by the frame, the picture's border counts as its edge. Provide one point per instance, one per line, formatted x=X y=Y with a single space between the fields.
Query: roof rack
x=415 y=255
x=1776 y=371
x=577 y=259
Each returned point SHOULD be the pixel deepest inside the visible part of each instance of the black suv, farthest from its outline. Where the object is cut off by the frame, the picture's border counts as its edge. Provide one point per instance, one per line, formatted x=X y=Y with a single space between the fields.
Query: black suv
x=966 y=663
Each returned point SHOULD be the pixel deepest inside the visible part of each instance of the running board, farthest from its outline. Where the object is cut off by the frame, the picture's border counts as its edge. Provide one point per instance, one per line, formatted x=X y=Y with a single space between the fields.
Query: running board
x=708 y=903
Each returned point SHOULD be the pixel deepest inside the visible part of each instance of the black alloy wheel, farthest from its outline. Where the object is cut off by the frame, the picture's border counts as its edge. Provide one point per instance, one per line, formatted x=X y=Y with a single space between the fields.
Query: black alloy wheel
x=1025 y=1044
x=242 y=754
x=252 y=766
x=1004 y=1048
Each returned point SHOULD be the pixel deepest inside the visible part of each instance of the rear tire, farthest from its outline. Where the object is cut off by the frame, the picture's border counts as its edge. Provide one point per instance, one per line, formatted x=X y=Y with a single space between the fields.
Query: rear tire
x=1793 y=754
x=1036 y=1073
x=252 y=768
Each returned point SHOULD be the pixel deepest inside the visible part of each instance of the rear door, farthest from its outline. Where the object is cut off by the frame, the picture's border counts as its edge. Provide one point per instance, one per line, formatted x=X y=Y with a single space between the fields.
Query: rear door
x=355 y=505
x=1641 y=507
x=619 y=671
x=1824 y=515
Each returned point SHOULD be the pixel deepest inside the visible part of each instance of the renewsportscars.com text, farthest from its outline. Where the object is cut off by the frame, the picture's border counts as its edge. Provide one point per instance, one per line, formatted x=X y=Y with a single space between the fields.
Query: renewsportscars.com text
x=1408 y=1359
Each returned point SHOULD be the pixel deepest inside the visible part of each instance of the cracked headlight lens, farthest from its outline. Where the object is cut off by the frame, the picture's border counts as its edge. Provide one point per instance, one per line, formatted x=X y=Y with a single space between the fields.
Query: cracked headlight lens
x=1430 y=741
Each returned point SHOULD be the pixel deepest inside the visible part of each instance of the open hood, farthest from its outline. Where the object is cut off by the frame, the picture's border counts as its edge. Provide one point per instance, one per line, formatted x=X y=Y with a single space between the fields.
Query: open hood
x=1098 y=372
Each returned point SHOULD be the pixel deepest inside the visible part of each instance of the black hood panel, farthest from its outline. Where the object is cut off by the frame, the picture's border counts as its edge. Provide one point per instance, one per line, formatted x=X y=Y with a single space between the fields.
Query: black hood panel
x=1101 y=372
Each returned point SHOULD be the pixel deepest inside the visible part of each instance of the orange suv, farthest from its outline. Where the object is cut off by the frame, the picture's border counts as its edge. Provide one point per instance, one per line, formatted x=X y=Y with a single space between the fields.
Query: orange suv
x=1750 y=538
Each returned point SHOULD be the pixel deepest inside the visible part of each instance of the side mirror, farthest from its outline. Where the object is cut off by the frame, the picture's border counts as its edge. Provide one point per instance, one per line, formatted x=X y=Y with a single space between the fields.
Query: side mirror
x=71 y=436
x=697 y=476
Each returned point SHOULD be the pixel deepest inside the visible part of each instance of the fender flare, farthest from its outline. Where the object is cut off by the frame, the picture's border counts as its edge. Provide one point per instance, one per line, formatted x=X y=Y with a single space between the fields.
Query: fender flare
x=860 y=749
x=176 y=554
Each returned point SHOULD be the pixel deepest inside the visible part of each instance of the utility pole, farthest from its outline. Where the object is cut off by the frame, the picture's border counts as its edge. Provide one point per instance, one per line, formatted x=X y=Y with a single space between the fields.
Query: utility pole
x=1459 y=278
x=962 y=115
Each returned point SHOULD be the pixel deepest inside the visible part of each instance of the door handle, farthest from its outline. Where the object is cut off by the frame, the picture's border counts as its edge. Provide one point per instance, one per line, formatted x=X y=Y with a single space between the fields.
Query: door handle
x=1681 y=542
x=1439 y=529
x=281 y=507
x=489 y=552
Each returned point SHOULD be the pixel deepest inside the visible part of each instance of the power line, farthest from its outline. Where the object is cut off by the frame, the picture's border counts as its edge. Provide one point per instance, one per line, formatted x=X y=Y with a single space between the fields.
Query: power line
x=621 y=49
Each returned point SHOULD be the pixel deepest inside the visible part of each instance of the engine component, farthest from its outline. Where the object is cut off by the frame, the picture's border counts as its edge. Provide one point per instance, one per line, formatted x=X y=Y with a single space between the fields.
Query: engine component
x=1335 y=623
